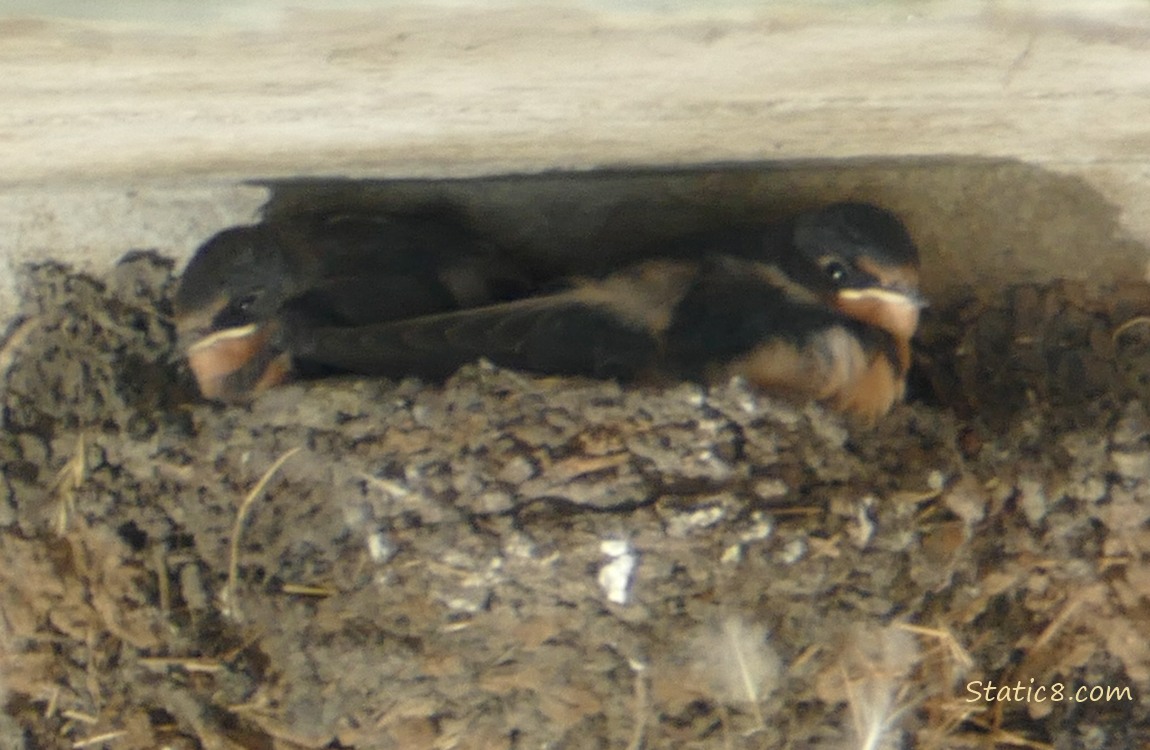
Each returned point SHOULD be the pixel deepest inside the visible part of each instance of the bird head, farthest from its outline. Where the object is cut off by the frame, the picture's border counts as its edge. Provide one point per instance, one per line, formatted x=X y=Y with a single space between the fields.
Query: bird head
x=861 y=260
x=232 y=287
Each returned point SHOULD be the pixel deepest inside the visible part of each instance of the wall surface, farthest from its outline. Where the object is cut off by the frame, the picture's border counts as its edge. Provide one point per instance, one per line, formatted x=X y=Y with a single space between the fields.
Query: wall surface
x=1012 y=135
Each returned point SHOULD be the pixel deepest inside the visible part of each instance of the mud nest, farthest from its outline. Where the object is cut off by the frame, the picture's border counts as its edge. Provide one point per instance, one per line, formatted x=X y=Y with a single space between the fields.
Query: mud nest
x=514 y=561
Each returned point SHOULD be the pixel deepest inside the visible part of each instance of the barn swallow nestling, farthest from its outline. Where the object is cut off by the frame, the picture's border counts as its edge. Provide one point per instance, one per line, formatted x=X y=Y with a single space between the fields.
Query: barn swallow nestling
x=822 y=307
x=336 y=270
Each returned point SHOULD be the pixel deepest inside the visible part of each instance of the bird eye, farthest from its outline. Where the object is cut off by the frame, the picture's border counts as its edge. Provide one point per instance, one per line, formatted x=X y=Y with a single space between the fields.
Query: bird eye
x=245 y=303
x=835 y=270
x=239 y=311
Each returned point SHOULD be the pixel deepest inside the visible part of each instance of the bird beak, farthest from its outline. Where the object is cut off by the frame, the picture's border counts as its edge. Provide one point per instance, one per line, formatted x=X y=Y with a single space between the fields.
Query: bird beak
x=219 y=357
x=892 y=307
x=893 y=294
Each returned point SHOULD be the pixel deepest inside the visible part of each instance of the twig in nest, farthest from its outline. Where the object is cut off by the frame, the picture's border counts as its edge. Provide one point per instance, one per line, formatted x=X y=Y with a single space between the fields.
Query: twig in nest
x=13 y=343
x=1139 y=320
x=954 y=649
x=99 y=739
x=943 y=665
x=642 y=709
x=190 y=664
x=230 y=605
x=69 y=479
x=1068 y=610
x=1003 y=738
x=300 y=589
x=165 y=589
x=53 y=703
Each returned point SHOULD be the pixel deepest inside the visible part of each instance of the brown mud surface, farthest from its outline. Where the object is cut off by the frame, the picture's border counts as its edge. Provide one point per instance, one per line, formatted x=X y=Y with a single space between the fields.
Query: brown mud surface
x=514 y=561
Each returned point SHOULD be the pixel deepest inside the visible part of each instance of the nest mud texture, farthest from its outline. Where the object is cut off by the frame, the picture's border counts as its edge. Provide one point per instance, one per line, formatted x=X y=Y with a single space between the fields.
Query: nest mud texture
x=514 y=561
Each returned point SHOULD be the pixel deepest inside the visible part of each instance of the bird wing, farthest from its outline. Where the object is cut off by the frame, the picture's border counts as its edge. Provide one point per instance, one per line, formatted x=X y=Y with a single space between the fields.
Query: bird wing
x=557 y=334
x=606 y=328
x=364 y=269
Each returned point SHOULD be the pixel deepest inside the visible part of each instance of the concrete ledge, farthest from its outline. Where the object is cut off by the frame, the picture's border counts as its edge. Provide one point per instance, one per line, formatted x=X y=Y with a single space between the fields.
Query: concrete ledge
x=454 y=91
x=140 y=131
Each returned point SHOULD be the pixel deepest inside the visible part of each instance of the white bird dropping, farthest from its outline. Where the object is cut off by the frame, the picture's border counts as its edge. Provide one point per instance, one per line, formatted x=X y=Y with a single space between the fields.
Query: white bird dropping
x=615 y=575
